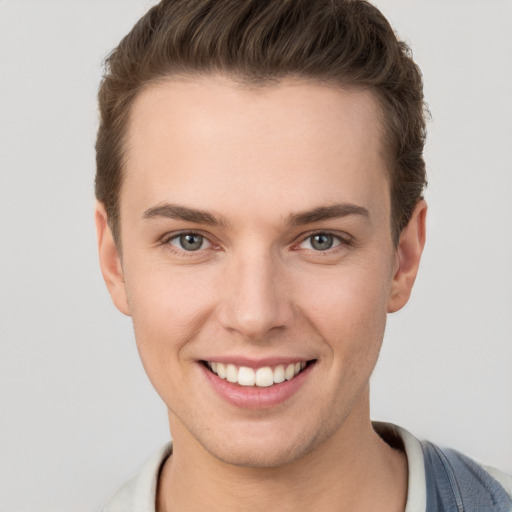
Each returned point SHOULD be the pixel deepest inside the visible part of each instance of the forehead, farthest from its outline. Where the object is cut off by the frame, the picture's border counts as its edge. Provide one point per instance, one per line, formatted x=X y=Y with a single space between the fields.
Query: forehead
x=300 y=142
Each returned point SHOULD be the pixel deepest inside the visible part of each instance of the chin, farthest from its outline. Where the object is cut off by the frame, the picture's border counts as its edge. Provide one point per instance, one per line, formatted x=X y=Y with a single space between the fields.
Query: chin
x=266 y=450
x=252 y=455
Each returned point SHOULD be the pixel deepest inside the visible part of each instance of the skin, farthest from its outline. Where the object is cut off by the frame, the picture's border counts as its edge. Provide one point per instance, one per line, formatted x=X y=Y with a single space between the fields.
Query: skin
x=257 y=287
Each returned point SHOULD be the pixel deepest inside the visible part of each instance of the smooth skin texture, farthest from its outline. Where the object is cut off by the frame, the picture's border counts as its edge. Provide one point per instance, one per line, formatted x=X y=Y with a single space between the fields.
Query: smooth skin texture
x=242 y=168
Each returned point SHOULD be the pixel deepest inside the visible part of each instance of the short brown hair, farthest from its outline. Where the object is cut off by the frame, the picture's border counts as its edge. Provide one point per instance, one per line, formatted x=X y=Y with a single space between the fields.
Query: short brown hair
x=338 y=42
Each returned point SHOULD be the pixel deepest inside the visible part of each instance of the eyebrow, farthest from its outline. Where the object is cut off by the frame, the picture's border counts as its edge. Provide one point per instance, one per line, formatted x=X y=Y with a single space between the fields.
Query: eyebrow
x=321 y=213
x=177 y=212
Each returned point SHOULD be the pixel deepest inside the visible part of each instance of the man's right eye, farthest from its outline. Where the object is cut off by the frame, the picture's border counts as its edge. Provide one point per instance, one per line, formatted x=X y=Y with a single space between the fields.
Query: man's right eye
x=189 y=242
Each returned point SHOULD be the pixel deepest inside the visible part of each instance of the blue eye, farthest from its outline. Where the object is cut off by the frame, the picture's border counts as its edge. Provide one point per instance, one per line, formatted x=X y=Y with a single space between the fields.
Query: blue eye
x=190 y=242
x=320 y=242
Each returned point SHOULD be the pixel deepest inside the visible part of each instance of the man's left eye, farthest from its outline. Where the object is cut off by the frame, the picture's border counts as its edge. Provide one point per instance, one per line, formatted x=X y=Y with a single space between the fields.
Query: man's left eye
x=321 y=242
x=190 y=242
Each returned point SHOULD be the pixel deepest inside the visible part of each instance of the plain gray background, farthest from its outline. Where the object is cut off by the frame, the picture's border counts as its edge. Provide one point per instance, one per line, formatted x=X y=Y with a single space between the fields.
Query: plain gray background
x=78 y=415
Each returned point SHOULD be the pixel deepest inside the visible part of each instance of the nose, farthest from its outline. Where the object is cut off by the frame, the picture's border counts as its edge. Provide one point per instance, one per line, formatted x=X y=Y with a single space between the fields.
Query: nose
x=255 y=301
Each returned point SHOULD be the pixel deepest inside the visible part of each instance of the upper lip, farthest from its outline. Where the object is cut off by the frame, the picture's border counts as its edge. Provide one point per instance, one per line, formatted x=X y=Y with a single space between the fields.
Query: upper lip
x=257 y=363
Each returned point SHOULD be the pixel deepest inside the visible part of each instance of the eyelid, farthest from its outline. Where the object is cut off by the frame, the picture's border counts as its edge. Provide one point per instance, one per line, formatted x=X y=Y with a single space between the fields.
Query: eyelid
x=168 y=237
x=344 y=238
x=205 y=243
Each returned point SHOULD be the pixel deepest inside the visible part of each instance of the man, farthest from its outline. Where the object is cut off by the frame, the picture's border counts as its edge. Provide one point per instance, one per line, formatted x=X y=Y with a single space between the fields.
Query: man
x=260 y=212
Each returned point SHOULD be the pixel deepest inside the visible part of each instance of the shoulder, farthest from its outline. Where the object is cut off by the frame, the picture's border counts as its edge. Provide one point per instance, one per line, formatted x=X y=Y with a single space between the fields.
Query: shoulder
x=139 y=493
x=456 y=482
x=442 y=480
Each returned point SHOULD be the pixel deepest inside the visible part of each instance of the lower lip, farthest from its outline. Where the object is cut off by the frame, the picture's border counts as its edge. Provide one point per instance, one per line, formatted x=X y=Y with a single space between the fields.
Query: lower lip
x=254 y=397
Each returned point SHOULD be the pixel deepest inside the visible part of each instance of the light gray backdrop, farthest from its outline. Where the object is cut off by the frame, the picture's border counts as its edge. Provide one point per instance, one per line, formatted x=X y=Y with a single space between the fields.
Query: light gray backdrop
x=78 y=415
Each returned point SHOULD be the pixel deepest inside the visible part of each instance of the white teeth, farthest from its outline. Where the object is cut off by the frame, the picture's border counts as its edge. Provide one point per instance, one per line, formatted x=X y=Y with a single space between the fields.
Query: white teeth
x=221 y=370
x=246 y=376
x=264 y=377
x=289 y=373
x=231 y=373
x=261 y=377
x=279 y=374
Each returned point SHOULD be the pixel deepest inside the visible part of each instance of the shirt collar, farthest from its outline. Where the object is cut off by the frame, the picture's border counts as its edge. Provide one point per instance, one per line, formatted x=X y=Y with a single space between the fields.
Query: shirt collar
x=139 y=493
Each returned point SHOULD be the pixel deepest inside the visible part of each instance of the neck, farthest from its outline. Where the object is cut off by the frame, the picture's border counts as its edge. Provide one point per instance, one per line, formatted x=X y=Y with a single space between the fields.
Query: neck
x=353 y=470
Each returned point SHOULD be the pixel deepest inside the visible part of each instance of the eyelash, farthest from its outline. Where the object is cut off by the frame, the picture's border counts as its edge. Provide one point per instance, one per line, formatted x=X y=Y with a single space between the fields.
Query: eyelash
x=167 y=239
x=343 y=241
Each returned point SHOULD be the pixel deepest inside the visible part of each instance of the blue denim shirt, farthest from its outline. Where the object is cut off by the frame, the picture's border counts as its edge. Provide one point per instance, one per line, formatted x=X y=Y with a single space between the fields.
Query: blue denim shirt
x=455 y=483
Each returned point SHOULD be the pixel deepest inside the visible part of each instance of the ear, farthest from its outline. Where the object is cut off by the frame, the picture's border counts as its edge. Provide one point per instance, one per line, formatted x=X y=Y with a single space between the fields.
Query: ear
x=110 y=260
x=408 y=255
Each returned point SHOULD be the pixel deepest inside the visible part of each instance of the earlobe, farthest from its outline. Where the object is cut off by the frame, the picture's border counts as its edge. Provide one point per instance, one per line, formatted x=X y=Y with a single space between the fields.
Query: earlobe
x=110 y=261
x=408 y=254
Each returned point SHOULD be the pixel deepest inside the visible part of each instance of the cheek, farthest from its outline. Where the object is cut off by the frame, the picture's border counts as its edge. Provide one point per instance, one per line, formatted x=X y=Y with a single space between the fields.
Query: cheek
x=167 y=309
x=162 y=298
x=348 y=308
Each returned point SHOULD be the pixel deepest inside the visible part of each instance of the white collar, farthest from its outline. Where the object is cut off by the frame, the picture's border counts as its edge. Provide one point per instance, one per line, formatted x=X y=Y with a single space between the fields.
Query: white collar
x=417 y=484
x=139 y=493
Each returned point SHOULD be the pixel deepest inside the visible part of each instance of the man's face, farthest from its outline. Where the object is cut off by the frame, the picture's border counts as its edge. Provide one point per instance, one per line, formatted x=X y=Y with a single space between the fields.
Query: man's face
x=255 y=228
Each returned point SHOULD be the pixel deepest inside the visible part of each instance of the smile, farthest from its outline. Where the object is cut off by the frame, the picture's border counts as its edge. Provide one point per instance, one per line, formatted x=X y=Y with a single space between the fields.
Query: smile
x=265 y=376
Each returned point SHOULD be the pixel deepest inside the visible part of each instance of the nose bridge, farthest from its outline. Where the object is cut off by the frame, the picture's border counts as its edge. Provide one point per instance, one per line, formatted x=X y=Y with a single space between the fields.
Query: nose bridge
x=255 y=302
